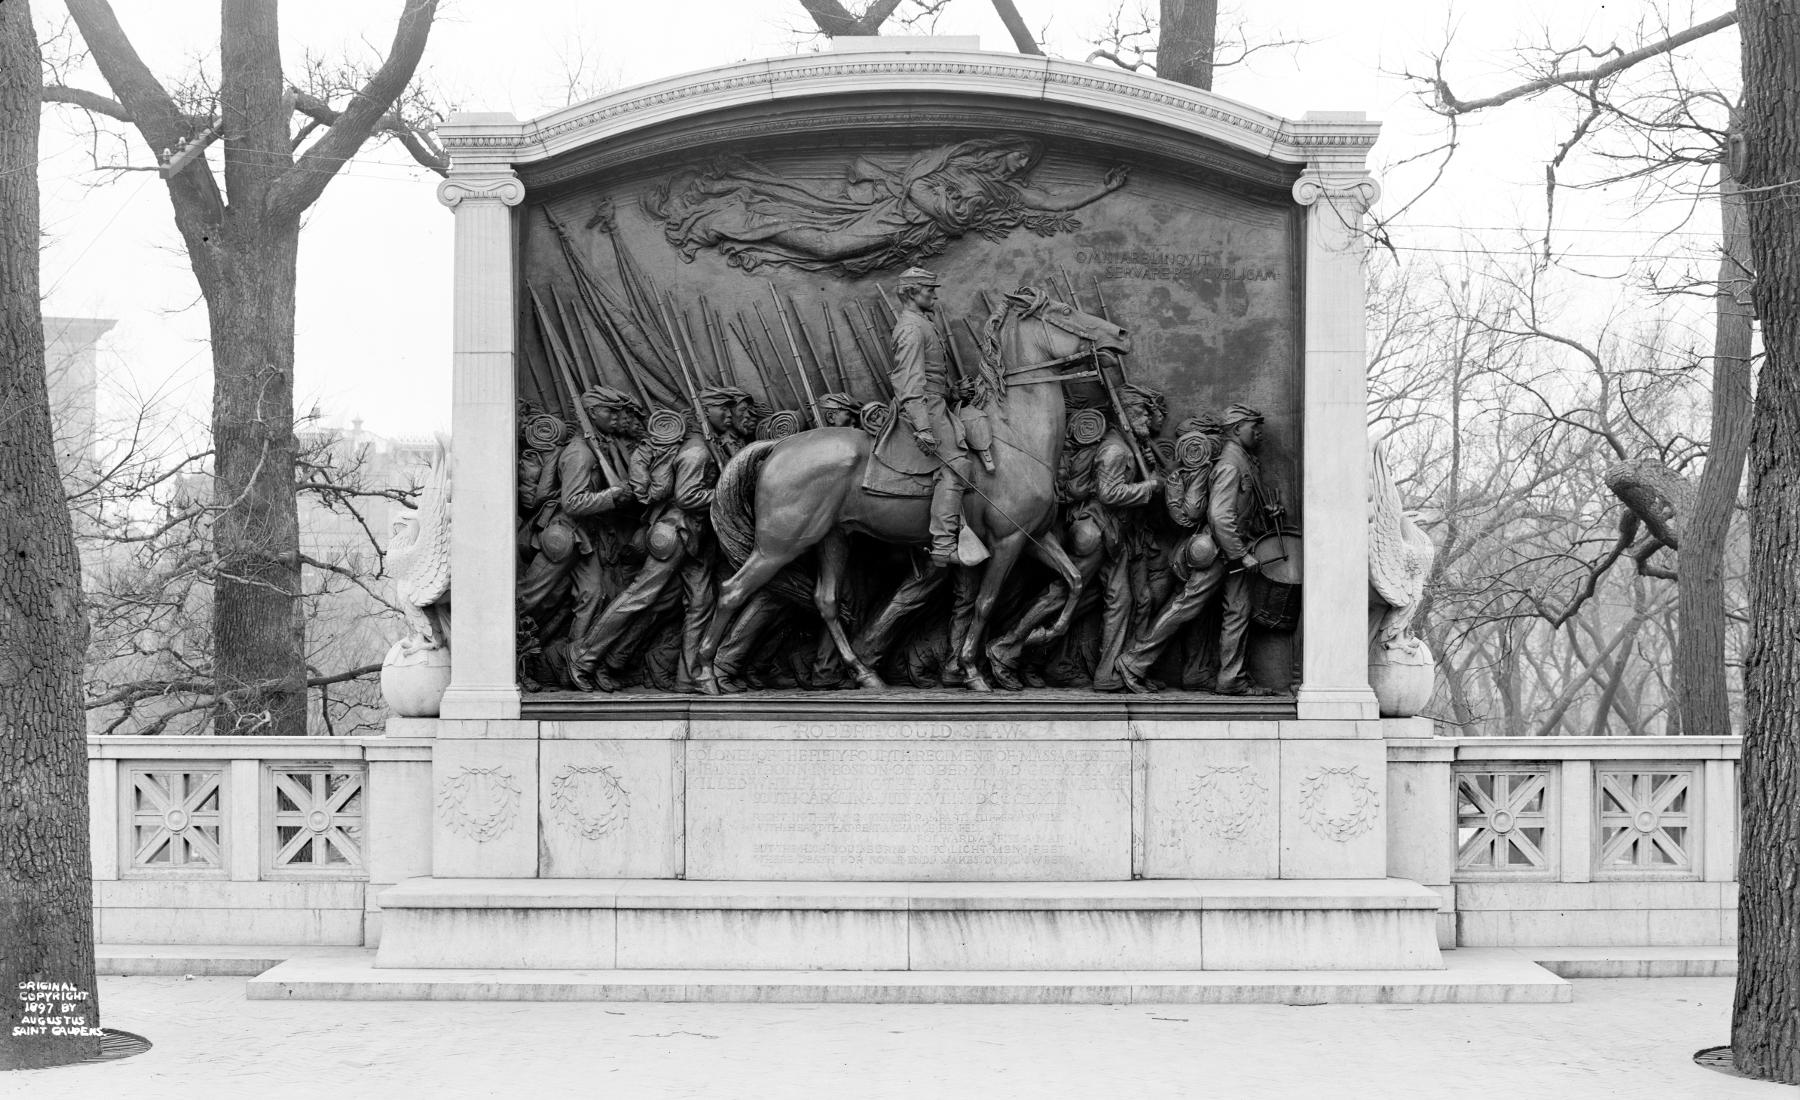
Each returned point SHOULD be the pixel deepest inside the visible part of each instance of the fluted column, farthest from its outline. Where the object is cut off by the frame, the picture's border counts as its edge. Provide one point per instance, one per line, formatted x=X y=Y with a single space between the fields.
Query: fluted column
x=483 y=668
x=1334 y=682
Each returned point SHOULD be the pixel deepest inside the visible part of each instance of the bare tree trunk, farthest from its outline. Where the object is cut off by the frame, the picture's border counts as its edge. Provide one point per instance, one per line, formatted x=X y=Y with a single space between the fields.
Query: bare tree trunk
x=46 y=896
x=1186 y=39
x=1700 y=676
x=1023 y=40
x=1765 y=1017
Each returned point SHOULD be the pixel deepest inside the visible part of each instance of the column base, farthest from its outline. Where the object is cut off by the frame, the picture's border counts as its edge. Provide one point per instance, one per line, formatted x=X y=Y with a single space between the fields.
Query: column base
x=1356 y=703
x=496 y=701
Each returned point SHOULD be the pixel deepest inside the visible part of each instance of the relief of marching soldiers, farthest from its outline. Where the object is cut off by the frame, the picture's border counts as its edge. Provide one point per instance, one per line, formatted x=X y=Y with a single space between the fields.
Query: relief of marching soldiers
x=620 y=570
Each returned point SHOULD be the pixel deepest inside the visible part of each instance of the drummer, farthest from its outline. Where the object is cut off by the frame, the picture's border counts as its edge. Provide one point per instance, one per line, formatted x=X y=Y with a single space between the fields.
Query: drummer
x=1233 y=513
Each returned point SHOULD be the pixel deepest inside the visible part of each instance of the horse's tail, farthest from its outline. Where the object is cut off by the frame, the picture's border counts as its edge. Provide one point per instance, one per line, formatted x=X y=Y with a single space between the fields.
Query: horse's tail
x=734 y=519
x=734 y=502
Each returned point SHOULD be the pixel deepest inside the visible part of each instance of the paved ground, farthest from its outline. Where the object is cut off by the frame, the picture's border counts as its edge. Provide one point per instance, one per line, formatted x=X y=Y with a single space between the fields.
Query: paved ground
x=1621 y=1038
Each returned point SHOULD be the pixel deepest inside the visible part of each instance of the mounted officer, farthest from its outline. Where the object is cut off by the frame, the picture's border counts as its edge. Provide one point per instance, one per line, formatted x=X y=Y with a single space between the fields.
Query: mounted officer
x=932 y=440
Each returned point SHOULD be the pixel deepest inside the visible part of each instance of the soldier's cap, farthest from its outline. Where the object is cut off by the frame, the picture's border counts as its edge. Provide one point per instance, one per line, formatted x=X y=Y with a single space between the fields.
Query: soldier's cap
x=1142 y=394
x=1241 y=414
x=721 y=395
x=607 y=397
x=841 y=402
x=1200 y=422
x=919 y=276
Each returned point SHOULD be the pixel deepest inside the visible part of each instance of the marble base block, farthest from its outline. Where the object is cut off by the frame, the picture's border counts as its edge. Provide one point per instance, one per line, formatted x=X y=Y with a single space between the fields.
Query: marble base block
x=1170 y=925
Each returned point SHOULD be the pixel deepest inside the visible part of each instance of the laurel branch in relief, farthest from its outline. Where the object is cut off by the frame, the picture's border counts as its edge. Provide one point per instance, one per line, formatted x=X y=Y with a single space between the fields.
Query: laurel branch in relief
x=1226 y=800
x=1338 y=803
x=479 y=803
x=590 y=802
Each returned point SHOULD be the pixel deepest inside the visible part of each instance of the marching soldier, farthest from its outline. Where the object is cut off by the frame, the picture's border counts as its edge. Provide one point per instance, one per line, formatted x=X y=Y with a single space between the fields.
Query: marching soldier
x=673 y=475
x=567 y=530
x=1233 y=510
x=1196 y=560
x=1112 y=489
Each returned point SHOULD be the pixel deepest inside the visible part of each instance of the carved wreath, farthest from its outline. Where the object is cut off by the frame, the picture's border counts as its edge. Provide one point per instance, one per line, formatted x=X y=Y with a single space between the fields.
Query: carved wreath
x=1226 y=800
x=590 y=802
x=1338 y=803
x=479 y=803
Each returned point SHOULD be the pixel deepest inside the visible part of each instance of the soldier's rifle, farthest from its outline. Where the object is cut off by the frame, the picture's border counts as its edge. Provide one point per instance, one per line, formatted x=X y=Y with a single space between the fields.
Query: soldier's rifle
x=720 y=353
x=881 y=346
x=787 y=376
x=687 y=341
x=586 y=370
x=754 y=354
x=1112 y=395
x=811 y=350
x=693 y=396
x=812 y=399
x=558 y=356
x=837 y=359
x=878 y=377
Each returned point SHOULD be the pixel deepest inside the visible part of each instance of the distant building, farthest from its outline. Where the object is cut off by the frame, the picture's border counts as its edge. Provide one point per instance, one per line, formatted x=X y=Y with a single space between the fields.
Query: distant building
x=71 y=368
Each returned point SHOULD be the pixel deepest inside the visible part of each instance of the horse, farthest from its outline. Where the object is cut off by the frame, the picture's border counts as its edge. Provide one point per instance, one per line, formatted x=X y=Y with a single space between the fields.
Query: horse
x=777 y=499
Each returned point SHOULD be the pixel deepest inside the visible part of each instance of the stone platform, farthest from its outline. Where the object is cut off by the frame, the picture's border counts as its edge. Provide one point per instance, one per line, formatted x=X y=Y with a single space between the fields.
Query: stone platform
x=648 y=924
x=1472 y=976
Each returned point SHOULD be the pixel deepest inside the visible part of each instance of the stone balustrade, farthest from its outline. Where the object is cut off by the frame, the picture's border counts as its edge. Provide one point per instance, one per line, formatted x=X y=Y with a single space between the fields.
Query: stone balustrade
x=1604 y=841
x=1572 y=841
x=253 y=840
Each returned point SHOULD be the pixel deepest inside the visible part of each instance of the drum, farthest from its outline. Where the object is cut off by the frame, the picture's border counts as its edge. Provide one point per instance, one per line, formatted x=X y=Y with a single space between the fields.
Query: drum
x=1275 y=583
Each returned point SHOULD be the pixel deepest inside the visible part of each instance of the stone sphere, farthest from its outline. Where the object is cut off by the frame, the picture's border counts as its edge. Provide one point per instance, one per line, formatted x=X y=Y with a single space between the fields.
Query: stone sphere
x=413 y=684
x=1403 y=678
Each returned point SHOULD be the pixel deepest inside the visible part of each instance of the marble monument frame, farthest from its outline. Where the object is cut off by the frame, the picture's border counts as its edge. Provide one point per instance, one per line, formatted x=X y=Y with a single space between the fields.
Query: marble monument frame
x=493 y=155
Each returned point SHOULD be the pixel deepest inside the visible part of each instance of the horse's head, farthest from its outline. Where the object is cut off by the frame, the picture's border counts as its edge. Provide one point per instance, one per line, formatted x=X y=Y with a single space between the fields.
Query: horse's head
x=1070 y=330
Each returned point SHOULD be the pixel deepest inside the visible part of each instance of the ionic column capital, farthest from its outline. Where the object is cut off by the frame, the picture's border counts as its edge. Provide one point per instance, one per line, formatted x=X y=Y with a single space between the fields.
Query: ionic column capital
x=1339 y=191
x=504 y=189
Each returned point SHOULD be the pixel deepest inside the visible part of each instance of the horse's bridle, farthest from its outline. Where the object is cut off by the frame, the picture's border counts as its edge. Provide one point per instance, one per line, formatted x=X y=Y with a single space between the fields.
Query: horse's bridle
x=1091 y=353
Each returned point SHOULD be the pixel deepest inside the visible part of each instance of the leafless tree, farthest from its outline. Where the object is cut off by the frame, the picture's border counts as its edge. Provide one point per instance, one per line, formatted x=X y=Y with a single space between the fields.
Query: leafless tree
x=281 y=138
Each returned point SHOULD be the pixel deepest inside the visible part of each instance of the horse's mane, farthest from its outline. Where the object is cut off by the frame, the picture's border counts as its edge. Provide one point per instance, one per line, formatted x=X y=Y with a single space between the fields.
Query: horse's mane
x=990 y=377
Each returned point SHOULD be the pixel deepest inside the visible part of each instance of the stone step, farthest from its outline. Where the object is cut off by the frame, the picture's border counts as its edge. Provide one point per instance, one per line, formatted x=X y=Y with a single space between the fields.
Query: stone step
x=1182 y=925
x=1476 y=976
x=1636 y=962
x=142 y=960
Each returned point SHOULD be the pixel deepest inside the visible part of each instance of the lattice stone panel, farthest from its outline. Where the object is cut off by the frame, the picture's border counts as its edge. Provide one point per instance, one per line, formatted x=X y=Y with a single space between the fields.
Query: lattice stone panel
x=1645 y=819
x=1504 y=822
x=176 y=819
x=313 y=818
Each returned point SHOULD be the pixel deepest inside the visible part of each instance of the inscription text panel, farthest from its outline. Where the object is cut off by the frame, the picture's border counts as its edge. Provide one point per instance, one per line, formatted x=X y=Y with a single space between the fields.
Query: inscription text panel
x=878 y=810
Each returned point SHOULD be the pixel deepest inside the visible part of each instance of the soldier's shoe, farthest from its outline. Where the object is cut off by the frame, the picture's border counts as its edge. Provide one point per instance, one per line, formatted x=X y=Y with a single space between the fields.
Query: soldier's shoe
x=581 y=679
x=1242 y=687
x=1134 y=680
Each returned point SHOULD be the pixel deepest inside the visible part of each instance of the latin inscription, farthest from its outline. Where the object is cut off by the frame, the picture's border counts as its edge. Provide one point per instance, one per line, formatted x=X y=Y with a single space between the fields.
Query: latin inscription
x=883 y=810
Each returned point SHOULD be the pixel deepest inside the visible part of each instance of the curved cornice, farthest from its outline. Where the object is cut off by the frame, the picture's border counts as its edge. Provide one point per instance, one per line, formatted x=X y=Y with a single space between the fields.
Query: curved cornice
x=480 y=142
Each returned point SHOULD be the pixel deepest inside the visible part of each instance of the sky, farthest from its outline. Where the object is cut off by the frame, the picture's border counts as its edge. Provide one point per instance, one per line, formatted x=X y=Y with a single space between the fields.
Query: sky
x=373 y=326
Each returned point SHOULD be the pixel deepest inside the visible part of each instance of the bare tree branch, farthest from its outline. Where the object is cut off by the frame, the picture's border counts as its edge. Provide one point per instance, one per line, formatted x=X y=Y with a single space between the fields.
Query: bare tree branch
x=87 y=101
x=1448 y=103
x=299 y=186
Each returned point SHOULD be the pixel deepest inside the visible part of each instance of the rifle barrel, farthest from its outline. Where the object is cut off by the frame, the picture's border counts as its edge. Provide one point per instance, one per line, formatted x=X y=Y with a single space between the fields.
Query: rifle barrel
x=812 y=399
x=573 y=394
x=693 y=393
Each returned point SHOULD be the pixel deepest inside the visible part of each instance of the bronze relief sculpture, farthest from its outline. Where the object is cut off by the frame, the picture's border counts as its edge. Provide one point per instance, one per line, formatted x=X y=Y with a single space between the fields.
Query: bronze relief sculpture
x=871 y=490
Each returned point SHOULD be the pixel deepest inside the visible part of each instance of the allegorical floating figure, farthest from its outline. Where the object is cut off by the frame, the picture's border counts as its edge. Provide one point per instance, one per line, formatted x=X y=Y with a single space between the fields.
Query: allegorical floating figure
x=876 y=217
